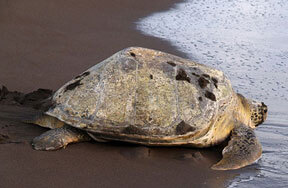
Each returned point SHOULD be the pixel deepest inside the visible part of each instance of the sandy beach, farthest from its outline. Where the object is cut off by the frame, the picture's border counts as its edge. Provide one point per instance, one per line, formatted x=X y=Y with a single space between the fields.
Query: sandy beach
x=46 y=43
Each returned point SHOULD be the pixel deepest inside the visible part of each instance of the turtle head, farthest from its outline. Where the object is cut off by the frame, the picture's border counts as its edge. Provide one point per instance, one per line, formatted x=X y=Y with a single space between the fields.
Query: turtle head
x=259 y=112
x=254 y=110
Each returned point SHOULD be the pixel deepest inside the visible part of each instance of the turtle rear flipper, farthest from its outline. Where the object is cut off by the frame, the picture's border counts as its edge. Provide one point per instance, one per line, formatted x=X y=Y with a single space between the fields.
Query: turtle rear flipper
x=242 y=149
x=45 y=121
x=58 y=138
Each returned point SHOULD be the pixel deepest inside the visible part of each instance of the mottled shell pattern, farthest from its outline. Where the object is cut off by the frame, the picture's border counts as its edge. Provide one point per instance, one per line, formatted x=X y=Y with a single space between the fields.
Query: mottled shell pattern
x=147 y=96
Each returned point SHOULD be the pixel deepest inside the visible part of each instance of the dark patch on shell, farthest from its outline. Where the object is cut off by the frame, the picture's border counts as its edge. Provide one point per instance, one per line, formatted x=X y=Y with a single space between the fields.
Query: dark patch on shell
x=182 y=75
x=183 y=128
x=210 y=96
x=151 y=76
x=215 y=81
x=194 y=74
x=82 y=75
x=73 y=85
x=131 y=129
x=203 y=82
x=171 y=63
x=206 y=76
x=200 y=98
x=132 y=54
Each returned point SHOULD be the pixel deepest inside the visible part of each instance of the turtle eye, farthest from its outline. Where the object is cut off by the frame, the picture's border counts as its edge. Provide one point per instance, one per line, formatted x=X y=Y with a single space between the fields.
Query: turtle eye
x=264 y=106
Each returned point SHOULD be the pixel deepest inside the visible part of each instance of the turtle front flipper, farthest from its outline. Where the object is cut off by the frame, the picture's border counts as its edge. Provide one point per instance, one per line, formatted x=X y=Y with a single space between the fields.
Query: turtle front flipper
x=58 y=138
x=243 y=149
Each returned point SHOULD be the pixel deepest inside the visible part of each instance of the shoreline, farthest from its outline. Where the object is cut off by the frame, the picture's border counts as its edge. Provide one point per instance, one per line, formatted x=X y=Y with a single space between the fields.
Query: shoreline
x=45 y=44
x=251 y=50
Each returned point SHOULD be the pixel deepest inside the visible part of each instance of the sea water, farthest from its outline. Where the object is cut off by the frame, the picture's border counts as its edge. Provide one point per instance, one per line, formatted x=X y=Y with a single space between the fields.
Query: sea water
x=248 y=40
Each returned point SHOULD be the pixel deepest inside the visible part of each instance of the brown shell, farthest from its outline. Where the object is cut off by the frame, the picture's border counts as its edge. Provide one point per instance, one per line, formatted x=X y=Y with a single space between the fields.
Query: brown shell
x=144 y=94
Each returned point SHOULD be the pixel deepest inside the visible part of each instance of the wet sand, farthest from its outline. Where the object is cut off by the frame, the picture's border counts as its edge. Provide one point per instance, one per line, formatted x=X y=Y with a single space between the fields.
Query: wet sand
x=247 y=40
x=43 y=45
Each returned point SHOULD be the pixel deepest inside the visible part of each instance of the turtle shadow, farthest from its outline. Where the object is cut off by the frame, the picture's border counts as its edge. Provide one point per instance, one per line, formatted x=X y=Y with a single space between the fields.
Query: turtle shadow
x=185 y=155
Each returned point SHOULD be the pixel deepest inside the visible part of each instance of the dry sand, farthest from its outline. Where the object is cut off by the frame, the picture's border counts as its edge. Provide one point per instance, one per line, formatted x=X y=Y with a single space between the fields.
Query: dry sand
x=43 y=45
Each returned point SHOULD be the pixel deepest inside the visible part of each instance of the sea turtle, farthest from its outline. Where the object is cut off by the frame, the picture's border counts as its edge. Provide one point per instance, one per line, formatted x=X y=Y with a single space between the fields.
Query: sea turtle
x=152 y=98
